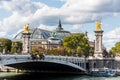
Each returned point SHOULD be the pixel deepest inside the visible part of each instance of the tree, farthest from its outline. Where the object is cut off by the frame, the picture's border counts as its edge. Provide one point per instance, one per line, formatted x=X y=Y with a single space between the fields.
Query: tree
x=5 y=45
x=115 y=50
x=76 y=44
x=16 y=47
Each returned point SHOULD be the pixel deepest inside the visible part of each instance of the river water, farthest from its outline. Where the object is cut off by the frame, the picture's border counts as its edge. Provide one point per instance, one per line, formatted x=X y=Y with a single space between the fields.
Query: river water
x=23 y=76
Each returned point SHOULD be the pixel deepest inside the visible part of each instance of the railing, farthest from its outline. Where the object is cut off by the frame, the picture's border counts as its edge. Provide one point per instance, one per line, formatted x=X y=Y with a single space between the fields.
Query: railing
x=8 y=59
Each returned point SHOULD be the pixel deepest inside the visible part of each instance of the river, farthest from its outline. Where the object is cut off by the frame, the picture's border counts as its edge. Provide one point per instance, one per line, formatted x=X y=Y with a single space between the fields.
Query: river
x=23 y=76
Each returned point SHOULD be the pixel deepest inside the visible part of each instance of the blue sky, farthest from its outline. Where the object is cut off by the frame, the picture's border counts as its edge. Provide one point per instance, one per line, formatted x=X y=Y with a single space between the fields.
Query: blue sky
x=51 y=3
x=75 y=15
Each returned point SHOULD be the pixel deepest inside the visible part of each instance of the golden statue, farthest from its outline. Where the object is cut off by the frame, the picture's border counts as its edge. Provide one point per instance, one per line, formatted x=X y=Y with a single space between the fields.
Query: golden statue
x=98 y=25
x=26 y=28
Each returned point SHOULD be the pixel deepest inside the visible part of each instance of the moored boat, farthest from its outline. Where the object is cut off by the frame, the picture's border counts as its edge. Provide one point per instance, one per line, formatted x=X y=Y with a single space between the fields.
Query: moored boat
x=102 y=72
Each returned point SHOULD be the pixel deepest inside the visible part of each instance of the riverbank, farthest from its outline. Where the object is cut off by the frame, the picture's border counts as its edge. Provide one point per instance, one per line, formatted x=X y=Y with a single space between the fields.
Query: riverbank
x=8 y=69
x=9 y=74
x=24 y=76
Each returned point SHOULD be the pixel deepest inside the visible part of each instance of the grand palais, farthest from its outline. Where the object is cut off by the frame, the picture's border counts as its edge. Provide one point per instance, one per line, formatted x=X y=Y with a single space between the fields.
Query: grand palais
x=45 y=39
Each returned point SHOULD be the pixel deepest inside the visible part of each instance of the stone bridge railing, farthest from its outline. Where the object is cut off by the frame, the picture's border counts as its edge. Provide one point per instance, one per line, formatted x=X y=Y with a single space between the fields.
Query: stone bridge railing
x=10 y=59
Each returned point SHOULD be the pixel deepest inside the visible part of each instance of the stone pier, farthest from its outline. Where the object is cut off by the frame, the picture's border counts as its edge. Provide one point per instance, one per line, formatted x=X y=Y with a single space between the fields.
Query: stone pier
x=26 y=39
x=98 y=41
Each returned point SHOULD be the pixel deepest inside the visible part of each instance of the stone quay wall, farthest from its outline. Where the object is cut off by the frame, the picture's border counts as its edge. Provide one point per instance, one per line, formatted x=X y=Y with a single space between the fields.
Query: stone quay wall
x=102 y=63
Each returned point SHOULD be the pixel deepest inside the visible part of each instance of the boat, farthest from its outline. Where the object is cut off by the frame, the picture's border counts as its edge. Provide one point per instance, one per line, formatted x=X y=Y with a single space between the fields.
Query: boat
x=102 y=72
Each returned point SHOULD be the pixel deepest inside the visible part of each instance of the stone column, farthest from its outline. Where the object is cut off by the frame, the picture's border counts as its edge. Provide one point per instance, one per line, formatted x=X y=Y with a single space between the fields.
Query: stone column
x=26 y=42
x=26 y=39
x=98 y=40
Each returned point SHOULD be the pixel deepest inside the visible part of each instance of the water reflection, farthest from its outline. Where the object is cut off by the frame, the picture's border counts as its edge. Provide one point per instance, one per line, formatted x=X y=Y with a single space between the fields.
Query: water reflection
x=33 y=76
x=38 y=76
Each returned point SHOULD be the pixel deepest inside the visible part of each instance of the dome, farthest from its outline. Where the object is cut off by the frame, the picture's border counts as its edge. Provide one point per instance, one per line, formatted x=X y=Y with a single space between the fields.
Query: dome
x=59 y=32
x=36 y=34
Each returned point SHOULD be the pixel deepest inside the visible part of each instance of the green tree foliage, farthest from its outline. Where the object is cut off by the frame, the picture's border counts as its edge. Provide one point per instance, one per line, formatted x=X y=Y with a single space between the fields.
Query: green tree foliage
x=5 y=45
x=76 y=44
x=115 y=50
x=16 y=47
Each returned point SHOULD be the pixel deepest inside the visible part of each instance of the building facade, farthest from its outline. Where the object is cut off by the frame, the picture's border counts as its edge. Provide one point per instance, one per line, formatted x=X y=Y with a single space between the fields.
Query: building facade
x=44 y=39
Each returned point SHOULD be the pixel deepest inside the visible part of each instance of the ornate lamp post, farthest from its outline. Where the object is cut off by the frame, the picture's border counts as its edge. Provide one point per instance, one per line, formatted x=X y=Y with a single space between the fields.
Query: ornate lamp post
x=98 y=40
x=26 y=39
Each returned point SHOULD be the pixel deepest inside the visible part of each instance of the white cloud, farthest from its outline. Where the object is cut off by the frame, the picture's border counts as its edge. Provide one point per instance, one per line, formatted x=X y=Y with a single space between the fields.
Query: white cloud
x=114 y=34
x=22 y=6
x=22 y=13
x=83 y=11
x=41 y=26
x=73 y=12
x=2 y=34
x=93 y=5
x=75 y=28
x=91 y=37
x=13 y=35
x=111 y=37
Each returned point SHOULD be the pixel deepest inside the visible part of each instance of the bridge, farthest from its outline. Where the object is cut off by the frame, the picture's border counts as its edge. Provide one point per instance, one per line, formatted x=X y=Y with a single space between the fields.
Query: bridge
x=50 y=64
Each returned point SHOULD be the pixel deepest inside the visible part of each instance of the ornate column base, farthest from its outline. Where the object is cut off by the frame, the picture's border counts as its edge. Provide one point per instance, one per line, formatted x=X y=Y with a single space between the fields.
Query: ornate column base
x=98 y=55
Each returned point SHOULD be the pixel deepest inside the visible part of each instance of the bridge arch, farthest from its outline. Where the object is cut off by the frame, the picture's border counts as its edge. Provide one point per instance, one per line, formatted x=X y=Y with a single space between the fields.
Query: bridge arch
x=50 y=63
x=48 y=66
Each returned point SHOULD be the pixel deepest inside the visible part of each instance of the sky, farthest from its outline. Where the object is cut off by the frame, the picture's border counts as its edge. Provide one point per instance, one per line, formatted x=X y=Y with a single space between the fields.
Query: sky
x=76 y=16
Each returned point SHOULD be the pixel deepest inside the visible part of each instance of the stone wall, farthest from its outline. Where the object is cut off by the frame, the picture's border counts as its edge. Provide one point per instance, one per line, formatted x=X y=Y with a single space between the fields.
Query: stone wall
x=101 y=63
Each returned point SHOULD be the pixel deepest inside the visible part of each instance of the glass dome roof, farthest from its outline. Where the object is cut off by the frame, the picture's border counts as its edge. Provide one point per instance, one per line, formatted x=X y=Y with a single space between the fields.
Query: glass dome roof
x=60 y=32
x=36 y=34
x=40 y=34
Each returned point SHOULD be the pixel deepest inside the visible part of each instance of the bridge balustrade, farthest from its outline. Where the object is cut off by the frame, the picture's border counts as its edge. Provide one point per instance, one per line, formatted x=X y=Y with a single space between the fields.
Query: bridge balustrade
x=9 y=59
